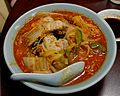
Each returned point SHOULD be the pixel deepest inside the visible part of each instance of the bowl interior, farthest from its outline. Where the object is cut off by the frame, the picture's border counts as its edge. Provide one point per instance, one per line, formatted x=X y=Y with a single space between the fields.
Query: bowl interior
x=111 y=45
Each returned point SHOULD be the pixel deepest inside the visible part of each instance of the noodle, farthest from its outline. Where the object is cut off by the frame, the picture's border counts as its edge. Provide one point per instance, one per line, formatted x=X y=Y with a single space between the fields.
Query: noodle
x=50 y=41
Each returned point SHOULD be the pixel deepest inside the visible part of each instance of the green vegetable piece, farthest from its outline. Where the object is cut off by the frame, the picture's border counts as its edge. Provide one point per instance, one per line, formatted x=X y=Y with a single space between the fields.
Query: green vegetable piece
x=98 y=45
x=59 y=65
x=68 y=52
x=62 y=51
x=78 y=36
x=64 y=60
x=95 y=45
x=103 y=48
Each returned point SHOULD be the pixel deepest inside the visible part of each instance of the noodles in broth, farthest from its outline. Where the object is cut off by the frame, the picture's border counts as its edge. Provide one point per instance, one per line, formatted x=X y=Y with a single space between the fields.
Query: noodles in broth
x=50 y=41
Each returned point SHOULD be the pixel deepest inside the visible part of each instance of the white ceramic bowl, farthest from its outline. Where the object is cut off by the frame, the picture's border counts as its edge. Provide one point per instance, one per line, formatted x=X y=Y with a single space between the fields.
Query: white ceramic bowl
x=109 y=13
x=109 y=61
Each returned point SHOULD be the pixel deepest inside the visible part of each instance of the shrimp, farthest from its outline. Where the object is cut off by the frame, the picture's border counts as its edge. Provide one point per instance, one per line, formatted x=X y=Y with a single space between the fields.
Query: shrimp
x=51 y=43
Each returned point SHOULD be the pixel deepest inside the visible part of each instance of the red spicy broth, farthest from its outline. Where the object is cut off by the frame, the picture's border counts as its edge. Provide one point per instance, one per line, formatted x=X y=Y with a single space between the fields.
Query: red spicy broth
x=97 y=45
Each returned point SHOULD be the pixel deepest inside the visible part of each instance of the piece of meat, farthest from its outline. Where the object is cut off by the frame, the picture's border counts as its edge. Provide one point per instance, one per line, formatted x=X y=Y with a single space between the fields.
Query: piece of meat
x=51 y=43
x=48 y=19
x=62 y=43
x=55 y=25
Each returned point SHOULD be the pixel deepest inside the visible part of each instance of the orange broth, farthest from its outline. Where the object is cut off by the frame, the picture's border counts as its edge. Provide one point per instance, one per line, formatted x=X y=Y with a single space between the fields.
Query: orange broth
x=20 y=51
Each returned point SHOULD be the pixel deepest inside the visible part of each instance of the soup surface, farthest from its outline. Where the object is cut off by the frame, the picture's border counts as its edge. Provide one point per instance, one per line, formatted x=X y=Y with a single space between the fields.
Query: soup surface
x=50 y=41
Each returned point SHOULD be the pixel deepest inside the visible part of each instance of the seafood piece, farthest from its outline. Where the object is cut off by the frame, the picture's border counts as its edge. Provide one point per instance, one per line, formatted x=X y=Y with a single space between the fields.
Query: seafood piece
x=51 y=43
x=55 y=25
x=48 y=19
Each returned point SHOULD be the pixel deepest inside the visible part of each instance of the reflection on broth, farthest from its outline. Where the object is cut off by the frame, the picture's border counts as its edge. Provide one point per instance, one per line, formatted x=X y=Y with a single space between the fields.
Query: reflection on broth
x=50 y=41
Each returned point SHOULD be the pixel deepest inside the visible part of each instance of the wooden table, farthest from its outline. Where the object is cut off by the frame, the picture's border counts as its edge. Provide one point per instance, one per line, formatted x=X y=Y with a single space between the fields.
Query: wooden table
x=109 y=86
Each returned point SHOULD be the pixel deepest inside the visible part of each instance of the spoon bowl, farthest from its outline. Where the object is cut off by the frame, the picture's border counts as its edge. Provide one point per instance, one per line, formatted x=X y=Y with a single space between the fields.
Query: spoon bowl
x=56 y=79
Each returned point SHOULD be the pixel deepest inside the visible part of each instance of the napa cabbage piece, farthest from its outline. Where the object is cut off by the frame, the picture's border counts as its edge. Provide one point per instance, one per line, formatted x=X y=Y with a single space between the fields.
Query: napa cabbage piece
x=37 y=64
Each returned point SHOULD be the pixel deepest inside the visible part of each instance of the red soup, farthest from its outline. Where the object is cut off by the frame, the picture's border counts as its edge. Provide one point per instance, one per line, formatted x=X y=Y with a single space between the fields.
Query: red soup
x=50 y=41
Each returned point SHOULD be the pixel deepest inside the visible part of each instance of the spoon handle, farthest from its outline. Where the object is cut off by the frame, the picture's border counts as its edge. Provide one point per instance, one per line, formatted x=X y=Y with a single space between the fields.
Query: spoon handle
x=56 y=79
x=29 y=77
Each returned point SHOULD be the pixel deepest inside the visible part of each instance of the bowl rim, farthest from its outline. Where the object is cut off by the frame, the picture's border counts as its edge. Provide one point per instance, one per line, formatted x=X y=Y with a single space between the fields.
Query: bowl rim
x=113 y=13
x=68 y=89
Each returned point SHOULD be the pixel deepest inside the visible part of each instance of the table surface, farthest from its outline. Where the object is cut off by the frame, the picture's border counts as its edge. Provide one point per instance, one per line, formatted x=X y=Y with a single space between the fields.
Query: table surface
x=108 y=86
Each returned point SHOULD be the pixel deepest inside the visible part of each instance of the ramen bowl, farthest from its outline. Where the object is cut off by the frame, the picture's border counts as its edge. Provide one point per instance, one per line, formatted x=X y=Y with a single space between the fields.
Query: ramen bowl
x=105 y=68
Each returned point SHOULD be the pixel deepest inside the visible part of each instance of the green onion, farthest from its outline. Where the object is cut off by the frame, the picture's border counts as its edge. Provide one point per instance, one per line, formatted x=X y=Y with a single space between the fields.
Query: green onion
x=78 y=36
x=98 y=45
x=95 y=45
